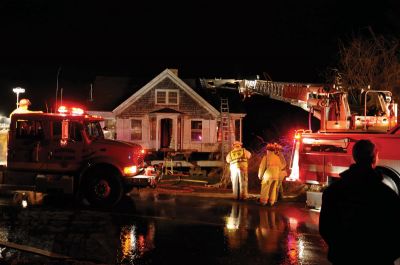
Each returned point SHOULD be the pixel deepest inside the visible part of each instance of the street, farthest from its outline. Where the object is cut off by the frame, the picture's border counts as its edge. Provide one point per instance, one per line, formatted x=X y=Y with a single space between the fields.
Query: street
x=152 y=227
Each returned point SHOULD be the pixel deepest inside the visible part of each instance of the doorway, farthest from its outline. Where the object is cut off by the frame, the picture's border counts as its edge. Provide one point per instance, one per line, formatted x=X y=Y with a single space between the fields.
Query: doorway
x=166 y=133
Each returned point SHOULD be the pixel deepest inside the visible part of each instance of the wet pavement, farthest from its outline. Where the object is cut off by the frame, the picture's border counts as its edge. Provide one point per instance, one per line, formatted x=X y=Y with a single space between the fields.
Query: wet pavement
x=172 y=224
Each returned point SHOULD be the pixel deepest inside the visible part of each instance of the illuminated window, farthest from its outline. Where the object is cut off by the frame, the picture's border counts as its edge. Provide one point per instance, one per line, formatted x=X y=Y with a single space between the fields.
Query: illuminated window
x=167 y=97
x=136 y=130
x=196 y=131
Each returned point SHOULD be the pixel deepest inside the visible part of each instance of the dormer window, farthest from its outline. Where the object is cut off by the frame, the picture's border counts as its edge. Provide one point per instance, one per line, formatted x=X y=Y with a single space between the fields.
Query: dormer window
x=167 y=96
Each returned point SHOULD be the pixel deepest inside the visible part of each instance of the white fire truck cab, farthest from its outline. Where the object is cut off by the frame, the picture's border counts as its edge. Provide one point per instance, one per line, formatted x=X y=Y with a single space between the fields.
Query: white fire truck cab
x=66 y=152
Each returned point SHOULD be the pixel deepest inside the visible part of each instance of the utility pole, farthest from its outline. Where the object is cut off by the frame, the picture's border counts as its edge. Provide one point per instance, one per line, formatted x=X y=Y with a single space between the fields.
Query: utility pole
x=58 y=73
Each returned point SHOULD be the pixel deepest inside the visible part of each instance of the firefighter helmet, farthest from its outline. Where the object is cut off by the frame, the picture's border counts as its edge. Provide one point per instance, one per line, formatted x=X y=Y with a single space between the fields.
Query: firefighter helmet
x=270 y=147
x=24 y=102
x=236 y=143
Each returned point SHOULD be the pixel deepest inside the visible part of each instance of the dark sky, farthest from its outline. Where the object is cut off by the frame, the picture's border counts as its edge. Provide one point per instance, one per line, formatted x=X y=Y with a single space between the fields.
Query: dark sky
x=289 y=40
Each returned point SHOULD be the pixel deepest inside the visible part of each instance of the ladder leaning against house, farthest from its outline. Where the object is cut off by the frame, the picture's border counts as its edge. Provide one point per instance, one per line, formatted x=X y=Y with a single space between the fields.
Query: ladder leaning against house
x=225 y=140
x=225 y=128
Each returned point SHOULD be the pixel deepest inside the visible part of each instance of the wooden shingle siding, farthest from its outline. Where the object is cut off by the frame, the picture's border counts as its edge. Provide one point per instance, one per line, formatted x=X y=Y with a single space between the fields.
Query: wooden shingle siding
x=146 y=103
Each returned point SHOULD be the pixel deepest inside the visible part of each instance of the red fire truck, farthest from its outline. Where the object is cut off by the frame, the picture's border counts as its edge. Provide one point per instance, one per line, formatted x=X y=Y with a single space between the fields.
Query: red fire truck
x=66 y=152
x=319 y=157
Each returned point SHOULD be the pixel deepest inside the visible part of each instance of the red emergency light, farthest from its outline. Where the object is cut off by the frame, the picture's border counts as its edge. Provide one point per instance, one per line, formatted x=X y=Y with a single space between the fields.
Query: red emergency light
x=62 y=109
x=297 y=136
x=72 y=110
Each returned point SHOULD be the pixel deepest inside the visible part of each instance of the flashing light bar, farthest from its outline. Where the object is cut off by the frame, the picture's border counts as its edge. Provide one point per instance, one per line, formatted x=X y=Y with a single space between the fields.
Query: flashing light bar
x=73 y=110
x=77 y=111
x=62 y=109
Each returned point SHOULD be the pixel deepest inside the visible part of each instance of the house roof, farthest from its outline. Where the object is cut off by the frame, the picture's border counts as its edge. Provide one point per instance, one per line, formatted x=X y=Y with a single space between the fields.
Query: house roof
x=112 y=93
x=174 y=78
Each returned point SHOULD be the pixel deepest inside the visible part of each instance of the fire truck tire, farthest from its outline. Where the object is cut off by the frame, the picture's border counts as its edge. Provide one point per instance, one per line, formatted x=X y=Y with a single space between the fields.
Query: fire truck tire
x=102 y=187
x=390 y=178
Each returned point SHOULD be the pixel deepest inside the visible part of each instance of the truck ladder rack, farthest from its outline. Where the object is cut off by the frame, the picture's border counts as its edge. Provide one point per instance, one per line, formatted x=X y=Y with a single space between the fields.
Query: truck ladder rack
x=17 y=187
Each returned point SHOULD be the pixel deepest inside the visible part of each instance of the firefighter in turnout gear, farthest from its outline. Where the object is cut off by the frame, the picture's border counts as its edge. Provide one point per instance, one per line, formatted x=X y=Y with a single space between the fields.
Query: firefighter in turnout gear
x=269 y=173
x=23 y=106
x=238 y=161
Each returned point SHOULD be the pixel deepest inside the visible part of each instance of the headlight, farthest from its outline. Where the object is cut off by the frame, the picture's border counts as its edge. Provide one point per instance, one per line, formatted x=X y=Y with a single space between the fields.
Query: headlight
x=130 y=170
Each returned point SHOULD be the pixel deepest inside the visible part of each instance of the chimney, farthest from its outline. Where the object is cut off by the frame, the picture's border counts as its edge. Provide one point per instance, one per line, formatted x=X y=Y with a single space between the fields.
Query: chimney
x=175 y=71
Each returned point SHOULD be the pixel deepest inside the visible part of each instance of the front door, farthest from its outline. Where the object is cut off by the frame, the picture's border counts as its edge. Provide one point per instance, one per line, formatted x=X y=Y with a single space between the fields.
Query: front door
x=166 y=133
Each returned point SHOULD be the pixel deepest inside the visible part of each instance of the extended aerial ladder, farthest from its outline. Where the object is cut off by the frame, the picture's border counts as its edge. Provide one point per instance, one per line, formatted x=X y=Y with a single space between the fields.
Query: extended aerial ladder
x=330 y=104
x=374 y=111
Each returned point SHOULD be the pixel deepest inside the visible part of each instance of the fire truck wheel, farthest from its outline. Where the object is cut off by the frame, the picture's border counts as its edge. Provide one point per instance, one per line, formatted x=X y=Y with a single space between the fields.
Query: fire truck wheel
x=390 y=178
x=103 y=187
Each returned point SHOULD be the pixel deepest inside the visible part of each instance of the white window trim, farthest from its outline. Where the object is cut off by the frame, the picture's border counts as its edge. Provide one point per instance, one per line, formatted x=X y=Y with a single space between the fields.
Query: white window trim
x=167 y=91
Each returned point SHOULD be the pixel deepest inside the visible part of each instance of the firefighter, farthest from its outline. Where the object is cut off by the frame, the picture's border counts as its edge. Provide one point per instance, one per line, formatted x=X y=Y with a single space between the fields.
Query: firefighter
x=238 y=164
x=23 y=106
x=269 y=174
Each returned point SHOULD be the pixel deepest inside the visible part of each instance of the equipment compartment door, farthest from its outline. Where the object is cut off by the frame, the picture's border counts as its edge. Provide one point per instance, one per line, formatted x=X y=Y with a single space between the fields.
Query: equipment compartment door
x=65 y=156
x=28 y=146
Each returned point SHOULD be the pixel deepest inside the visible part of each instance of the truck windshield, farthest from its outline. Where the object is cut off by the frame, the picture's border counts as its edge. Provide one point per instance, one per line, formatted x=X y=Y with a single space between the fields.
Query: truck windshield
x=93 y=130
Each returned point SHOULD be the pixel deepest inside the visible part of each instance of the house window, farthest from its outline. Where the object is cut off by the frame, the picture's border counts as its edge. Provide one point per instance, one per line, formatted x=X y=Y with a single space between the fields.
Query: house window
x=136 y=130
x=196 y=131
x=173 y=97
x=167 y=97
x=219 y=131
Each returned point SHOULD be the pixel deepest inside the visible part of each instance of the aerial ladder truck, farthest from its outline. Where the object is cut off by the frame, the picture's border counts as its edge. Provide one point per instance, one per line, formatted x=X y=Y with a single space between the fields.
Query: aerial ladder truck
x=319 y=157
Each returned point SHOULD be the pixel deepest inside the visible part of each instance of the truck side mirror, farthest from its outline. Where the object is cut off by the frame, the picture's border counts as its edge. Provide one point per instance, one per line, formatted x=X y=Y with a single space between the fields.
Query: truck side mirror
x=64 y=133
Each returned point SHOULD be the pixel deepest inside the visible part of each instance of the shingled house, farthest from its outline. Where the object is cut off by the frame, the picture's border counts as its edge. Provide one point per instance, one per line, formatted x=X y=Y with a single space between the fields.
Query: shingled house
x=168 y=113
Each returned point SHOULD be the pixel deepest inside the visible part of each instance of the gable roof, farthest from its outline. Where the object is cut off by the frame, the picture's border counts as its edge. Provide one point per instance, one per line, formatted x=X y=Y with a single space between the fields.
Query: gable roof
x=166 y=74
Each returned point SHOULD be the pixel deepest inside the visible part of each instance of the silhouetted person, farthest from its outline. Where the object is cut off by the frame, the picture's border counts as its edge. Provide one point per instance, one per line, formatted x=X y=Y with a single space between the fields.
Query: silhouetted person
x=360 y=215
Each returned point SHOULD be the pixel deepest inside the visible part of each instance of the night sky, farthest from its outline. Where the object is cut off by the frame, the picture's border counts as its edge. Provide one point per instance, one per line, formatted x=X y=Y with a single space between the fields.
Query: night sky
x=293 y=41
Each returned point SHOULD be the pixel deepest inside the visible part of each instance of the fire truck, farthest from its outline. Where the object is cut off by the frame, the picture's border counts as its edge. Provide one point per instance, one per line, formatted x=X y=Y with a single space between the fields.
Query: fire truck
x=67 y=152
x=319 y=157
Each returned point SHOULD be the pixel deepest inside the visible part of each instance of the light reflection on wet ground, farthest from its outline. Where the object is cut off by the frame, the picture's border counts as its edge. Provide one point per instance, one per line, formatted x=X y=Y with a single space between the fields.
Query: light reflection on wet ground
x=163 y=229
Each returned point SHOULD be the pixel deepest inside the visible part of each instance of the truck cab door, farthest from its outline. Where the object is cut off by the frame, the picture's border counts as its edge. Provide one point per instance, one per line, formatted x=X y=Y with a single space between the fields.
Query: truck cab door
x=27 y=146
x=65 y=149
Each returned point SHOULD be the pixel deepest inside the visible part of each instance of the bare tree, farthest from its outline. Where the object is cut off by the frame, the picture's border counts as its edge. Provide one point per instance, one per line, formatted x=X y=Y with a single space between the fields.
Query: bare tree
x=369 y=63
